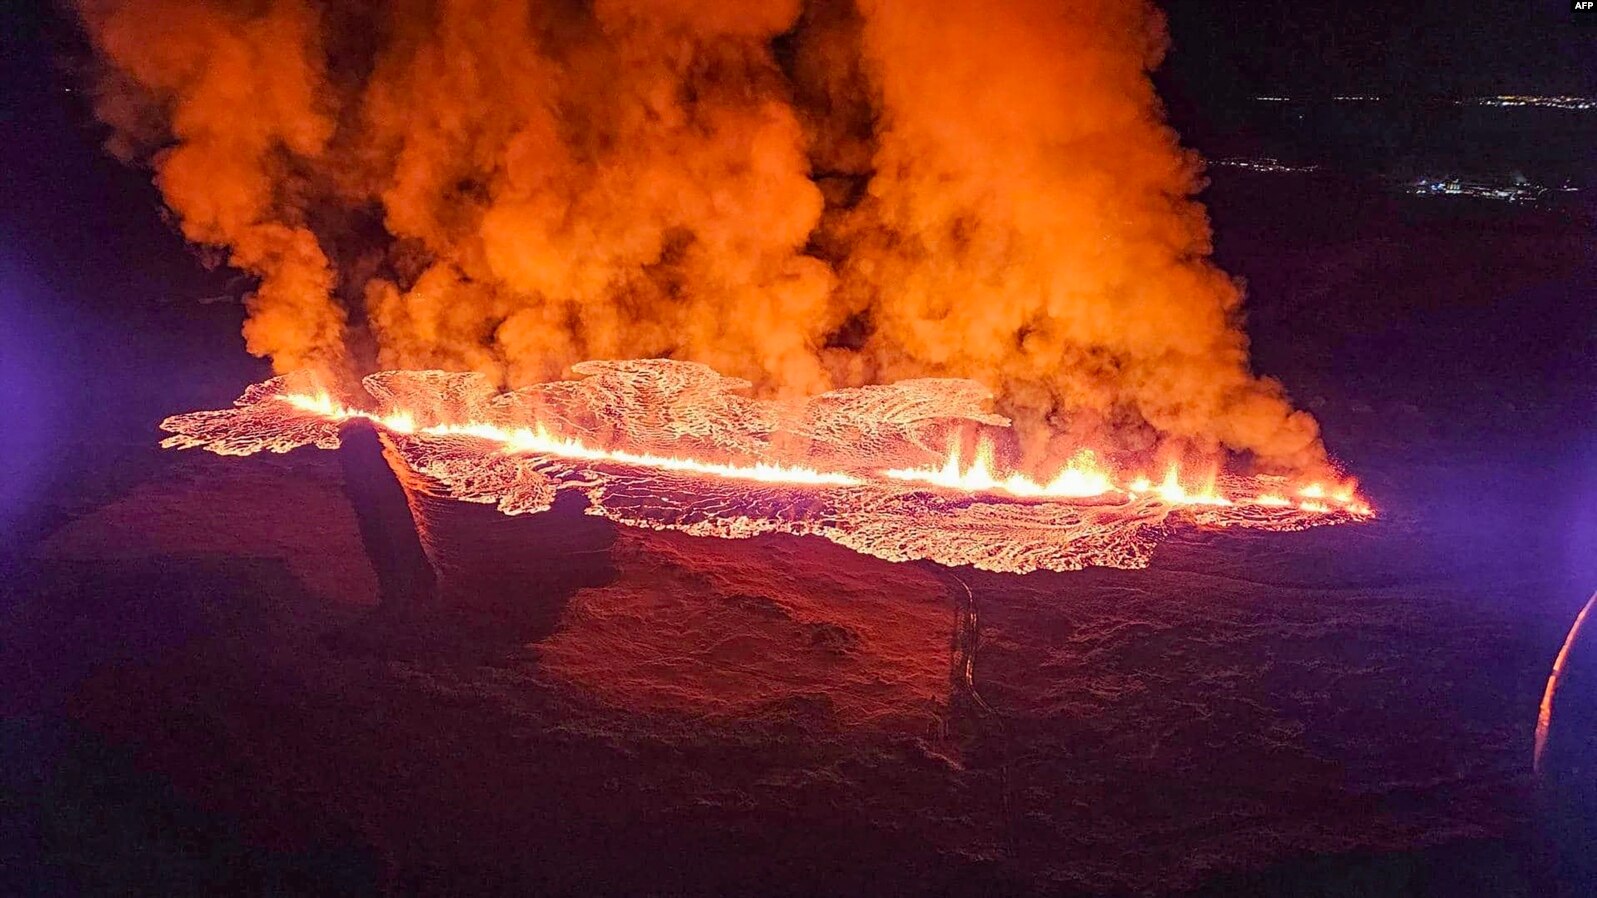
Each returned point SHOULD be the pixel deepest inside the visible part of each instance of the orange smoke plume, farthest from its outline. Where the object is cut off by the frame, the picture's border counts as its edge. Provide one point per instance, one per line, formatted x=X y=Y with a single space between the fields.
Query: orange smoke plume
x=236 y=101
x=802 y=195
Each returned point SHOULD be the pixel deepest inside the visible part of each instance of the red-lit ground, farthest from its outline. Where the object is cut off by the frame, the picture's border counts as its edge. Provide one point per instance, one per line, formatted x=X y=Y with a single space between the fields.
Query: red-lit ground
x=782 y=707
x=199 y=698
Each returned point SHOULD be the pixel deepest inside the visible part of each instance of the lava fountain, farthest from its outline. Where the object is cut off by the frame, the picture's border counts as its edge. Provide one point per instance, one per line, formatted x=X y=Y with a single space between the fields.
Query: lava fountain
x=674 y=445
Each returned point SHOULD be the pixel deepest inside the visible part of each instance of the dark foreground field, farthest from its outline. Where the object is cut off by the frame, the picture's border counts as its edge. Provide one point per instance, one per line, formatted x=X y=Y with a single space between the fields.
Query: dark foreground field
x=200 y=698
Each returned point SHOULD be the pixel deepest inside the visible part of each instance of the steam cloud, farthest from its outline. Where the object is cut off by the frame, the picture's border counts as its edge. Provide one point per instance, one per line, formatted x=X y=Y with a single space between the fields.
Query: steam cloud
x=803 y=195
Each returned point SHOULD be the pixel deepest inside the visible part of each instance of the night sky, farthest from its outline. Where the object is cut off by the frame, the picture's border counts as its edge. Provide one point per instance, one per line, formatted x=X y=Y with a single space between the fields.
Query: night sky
x=1406 y=50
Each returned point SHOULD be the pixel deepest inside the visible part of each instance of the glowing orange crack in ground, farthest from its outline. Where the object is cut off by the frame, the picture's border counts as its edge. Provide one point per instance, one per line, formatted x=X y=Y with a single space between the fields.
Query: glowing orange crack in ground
x=1082 y=477
x=538 y=441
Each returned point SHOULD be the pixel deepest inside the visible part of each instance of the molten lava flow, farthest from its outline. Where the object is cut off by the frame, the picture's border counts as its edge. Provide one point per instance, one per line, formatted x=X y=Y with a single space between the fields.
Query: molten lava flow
x=858 y=467
x=537 y=440
x=1080 y=479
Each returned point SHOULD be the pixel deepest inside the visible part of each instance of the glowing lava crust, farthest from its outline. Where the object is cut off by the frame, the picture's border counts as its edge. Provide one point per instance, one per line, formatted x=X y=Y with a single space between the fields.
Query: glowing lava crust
x=876 y=469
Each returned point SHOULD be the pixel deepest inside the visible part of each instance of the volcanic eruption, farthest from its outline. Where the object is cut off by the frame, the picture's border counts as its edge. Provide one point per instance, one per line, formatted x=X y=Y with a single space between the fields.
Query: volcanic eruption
x=904 y=229
x=861 y=467
x=798 y=447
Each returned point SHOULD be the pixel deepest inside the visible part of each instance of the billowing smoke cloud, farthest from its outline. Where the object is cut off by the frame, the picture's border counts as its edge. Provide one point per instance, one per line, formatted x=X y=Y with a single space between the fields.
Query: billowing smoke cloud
x=234 y=105
x=802 y=195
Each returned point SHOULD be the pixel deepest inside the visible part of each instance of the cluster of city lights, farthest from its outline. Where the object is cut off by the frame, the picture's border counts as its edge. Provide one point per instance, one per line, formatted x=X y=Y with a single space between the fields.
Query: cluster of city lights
x=1555 y=102
x=1562 y=102
x=1262 y=164
x=1512 y=193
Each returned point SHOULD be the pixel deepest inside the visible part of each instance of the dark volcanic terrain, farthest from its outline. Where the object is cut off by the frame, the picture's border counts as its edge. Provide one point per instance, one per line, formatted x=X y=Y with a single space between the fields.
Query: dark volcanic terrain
x=202 y=697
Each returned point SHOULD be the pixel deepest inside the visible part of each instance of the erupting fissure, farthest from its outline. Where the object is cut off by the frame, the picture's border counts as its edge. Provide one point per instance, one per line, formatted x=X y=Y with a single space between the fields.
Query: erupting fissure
x=672 y=444
x=1082 y=478
x=536 y=440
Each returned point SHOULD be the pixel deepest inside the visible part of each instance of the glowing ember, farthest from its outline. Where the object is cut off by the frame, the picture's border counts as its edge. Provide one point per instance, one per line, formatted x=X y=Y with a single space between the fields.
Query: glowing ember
x=857 y=466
